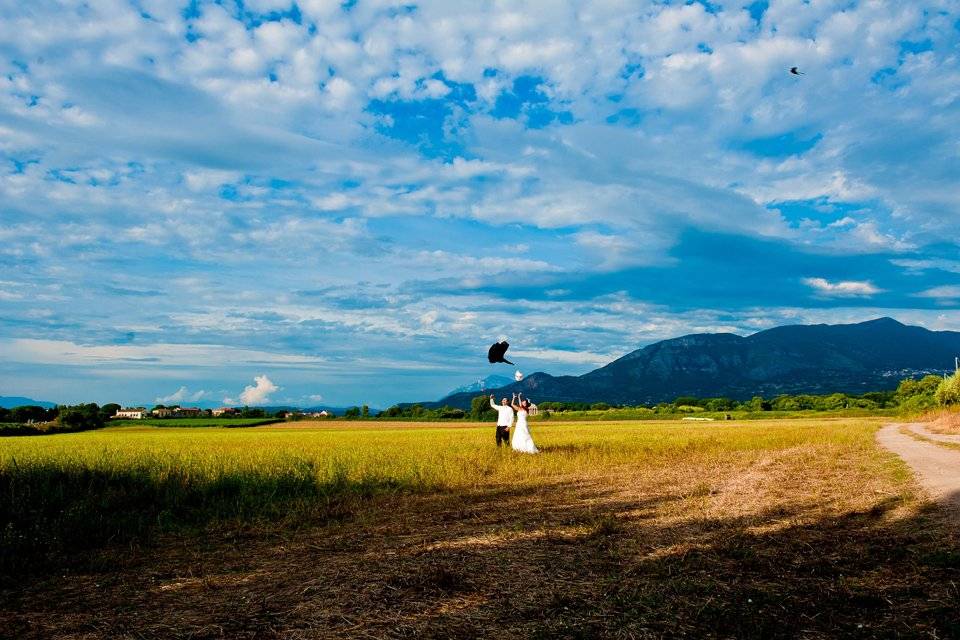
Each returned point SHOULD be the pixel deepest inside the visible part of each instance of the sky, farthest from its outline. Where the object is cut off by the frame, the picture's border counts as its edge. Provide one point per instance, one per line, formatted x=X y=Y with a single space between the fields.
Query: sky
x=315 y=202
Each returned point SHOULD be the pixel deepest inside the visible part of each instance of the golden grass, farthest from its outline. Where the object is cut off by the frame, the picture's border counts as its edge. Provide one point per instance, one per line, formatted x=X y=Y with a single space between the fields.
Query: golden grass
x=800 y=528
x=945 y=421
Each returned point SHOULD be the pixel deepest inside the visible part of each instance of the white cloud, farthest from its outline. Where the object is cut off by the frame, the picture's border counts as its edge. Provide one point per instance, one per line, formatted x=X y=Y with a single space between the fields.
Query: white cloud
x=203 y=179
x=917 y=266
x=566 y=357
x=256 y=394
x=181 y=395
x=26 y=350
x=944 y=292
x=842 y=288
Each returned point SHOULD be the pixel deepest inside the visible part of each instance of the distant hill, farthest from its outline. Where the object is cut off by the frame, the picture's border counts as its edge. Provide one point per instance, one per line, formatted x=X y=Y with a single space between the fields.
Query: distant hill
x=852 y=358
x=9 y=402
x=484 y=384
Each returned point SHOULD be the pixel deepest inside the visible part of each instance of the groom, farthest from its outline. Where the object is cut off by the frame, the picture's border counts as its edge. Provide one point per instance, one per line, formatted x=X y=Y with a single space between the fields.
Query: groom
x=504 y=420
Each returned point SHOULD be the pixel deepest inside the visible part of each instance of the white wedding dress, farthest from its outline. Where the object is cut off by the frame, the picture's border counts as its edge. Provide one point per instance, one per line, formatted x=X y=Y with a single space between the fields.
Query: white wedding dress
x=522 y=441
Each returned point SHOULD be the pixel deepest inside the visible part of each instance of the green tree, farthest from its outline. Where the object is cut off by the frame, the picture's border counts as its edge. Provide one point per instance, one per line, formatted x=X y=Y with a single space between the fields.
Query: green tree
x=719 y=404
x=81 y=417
x=757 y=404
x=835 y=401
x=480 y=409
x=108 y=410
x=365 y=411
x=352 y=412
x=28 y=413
x=918 y=395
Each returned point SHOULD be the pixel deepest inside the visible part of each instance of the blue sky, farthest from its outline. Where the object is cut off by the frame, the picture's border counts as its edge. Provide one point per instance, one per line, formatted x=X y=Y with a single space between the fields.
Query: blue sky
x=314 y=202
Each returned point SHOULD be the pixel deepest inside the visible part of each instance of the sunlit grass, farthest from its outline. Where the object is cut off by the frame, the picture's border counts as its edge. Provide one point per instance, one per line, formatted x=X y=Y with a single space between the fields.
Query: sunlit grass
x=349 y=529
x=74 y=491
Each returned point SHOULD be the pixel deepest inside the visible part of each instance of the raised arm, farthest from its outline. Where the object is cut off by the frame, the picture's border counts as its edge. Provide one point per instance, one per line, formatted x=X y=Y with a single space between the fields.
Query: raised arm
x=492 y=403
x=513 y=403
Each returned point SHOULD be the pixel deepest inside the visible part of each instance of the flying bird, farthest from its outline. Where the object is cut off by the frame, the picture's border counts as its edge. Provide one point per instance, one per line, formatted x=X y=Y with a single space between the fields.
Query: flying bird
x=795 y=72
x=497 y=351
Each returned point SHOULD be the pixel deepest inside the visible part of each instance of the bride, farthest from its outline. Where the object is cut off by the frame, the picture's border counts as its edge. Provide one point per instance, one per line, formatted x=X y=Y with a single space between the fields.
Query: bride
x=522 y=441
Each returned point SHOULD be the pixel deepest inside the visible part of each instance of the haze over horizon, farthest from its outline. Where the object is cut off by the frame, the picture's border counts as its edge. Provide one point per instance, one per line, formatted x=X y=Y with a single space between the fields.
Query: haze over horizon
x=335 y=203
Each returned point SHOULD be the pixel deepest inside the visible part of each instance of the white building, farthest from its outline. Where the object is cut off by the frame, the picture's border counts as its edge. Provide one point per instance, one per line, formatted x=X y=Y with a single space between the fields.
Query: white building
x=138 y=413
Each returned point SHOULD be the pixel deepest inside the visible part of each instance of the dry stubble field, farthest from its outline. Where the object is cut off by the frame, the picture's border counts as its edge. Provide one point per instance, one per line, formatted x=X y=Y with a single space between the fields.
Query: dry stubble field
x=792 y=528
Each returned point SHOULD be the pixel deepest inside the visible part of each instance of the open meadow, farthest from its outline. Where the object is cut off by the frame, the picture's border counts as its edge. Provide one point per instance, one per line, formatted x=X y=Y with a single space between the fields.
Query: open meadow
x=800 y=528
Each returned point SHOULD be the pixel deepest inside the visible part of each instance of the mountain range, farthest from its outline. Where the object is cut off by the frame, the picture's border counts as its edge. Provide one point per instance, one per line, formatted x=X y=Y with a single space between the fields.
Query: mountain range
x=9 y=402
x=851 y=358
x=483 y=384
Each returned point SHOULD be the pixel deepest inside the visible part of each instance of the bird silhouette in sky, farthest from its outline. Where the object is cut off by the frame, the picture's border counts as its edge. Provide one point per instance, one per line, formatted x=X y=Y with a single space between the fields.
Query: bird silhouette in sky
x=795 y=72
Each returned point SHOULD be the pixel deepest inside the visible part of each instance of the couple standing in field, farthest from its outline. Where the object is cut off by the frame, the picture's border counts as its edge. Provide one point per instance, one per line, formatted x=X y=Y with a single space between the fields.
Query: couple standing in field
x=522 y=441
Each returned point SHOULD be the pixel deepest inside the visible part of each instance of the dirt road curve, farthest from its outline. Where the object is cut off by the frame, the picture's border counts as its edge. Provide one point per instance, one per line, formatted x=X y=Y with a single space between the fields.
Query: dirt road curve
x=922 y=430
x=937 y=468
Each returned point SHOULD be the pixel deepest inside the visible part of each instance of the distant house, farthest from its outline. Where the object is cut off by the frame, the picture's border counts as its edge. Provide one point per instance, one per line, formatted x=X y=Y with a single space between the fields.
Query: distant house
x=135 y=413
x=532 y=409
x=188 y=412
x=318 y=414
x=224 y=411
x=162 y=412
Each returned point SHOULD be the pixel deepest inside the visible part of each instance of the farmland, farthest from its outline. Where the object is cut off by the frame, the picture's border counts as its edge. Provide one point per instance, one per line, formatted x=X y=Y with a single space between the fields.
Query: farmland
x=619 y=529
x=194 y=422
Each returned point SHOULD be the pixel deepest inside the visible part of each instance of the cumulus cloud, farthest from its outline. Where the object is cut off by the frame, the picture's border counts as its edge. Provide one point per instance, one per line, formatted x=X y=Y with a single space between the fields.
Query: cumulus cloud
x=256 y=394
x=842 y=288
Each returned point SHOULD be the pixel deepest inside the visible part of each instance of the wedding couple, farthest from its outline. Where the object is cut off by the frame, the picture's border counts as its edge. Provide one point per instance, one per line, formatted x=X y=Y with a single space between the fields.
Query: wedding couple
x=522 y=441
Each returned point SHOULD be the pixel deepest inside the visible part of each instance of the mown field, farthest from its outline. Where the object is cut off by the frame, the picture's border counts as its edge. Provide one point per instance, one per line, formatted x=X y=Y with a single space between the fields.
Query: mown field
x=789 y=528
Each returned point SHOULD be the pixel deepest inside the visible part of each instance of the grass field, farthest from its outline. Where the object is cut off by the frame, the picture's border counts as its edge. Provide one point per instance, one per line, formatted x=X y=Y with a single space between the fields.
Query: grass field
x=619 y=529
x=194 y=422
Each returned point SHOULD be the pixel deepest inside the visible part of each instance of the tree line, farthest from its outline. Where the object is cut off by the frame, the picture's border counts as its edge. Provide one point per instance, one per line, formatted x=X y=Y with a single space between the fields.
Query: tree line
x=911 y=395
x=32 y=419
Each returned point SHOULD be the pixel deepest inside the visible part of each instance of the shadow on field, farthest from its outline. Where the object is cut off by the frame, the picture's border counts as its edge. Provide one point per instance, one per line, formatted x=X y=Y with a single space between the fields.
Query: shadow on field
x=51 y=516
x=567 y=560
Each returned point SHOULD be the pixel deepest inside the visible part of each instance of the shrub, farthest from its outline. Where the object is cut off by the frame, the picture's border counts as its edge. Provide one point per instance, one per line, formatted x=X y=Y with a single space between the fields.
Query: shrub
x=918 y=392
x=689 y=408
x=948 y=391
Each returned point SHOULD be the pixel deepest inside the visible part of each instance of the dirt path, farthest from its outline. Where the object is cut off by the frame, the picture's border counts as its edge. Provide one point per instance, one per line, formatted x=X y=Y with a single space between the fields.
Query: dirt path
x=921 y=430
x=937 y=468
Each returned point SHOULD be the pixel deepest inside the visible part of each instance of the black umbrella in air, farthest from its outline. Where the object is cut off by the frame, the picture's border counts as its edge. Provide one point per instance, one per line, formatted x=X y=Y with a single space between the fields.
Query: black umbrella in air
x=497 y=351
